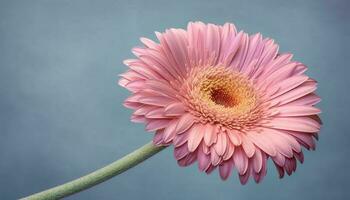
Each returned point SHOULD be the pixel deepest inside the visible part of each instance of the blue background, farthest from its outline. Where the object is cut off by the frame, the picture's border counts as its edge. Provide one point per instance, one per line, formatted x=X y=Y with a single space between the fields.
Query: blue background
x=61 y=113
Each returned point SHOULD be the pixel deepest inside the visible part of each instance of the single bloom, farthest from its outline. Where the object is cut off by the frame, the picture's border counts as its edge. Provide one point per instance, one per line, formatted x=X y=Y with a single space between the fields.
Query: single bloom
x=224 y=99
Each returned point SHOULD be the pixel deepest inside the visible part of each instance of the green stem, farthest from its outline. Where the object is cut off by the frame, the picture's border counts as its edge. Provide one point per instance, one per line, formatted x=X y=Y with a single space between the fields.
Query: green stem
x=99 y=175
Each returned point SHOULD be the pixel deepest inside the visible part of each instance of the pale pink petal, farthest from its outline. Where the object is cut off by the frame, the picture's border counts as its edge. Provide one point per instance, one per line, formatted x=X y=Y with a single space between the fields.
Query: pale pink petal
x=240 y=161
x=220 y=145
x=184 y=123
x=239 y=57
x=235 y=137
x=303 y=124
x=279 y=75
x=132 y=105
x=156 y=100
x=309 y=100
x=169 y=131
x=248 y=146
x=285 y=136
x=276 y=63
x=288 y=84
x=161 y=88
x=233 y=46
x=257 y=161
x=262 y=142
x=304 y=139
x=156 y=124
x=195 y=137
x=282 y=144
x=155 y=113
x=255 y=49
x=138 y=119
x=174 y=109
x=302 y=90
x=214 y=157
x=149 y=43
x=144 y=109
x=210 y=134
x=229 y=151
x=135 y=86
x=292 y=111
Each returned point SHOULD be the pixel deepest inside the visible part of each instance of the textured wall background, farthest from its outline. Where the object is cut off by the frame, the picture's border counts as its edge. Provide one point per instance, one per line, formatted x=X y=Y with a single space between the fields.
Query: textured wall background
x=60 y=108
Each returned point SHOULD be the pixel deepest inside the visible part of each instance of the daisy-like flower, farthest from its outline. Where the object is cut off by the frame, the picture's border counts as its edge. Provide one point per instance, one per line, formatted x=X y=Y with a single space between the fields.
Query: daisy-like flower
x=224 y=99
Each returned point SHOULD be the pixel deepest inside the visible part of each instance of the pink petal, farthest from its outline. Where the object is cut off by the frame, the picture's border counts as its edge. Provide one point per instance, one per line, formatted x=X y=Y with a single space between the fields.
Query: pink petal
x=294 y=94
x=161 y=87
x=280 y=74
x=292 y=111
x=149 y=43
x=309 y=100
x=299 y=156
x=187 y=160
x=282 y=144
x=235 y=137
x=156 y=124
x=143 y=110
x=288 y=84
x=135 y=86
x=214 y=157
x=180 y=139
x=303 y=124
x=210 y=134
x=245 y=177
x=174 y=109
x=195 y=137
x=276 y=63
x=203 y=160
x=138 y=119
x=180 y=152
x=279 y=159
x=156 y=100
x=240 y=161
x=158 y=137
x=257 y=161
x=220 y=145
x=238 y=59
x=290 y=165
x=156 y=113
x=304 y=138
x=229 y=151
x=169 y=131
x=225 y=169
x=184 y=123
x=248 y=146
x=261 y=141
x=280 y=170
x=286 y=136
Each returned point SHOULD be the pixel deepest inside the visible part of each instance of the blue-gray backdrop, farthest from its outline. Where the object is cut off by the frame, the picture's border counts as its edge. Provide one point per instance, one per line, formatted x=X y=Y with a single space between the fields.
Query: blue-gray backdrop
x=61 y=112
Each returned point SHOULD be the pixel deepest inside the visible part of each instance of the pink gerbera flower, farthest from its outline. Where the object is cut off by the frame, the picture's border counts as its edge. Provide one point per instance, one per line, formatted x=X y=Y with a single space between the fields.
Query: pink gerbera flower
x=223 y=99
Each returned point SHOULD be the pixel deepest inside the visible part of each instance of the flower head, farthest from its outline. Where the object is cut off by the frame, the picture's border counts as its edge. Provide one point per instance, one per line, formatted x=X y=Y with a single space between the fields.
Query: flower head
x=224 y=99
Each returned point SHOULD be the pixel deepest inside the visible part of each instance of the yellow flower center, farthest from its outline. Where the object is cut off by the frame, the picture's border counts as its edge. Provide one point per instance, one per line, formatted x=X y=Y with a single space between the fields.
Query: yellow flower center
x=219 y=95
